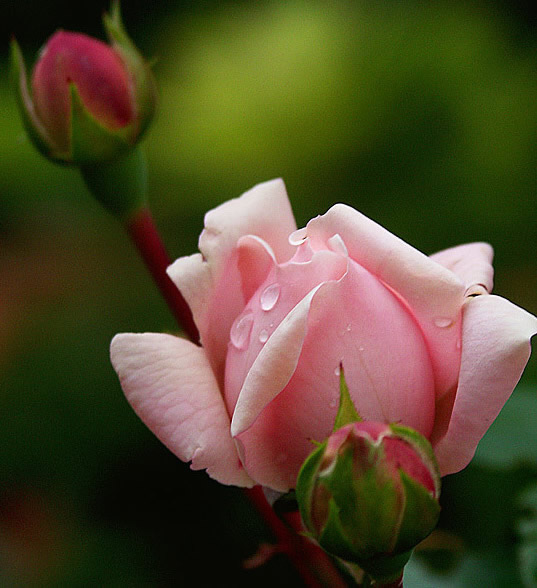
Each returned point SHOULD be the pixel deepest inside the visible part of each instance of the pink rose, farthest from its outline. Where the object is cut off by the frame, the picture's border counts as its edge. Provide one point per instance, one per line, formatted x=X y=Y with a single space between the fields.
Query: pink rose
x=422 y=342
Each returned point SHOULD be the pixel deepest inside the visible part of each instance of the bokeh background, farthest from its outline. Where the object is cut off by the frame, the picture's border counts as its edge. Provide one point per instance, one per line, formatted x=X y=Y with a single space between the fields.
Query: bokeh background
x=421 y=115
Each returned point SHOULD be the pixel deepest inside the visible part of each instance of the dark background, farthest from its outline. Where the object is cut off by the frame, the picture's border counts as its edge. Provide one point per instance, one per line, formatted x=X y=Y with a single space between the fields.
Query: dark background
x=421 y=115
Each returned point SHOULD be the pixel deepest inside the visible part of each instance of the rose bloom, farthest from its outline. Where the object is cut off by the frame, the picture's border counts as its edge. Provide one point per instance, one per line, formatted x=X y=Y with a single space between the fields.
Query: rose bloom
x=422 y=342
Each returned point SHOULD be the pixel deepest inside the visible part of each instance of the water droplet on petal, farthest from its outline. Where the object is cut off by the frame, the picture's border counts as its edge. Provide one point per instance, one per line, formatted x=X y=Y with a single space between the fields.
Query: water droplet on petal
x=443 y=322
x=348 y=327
x=263 y=336
x=360 y=348
x=337 y=371
x=240 y=331
x=270 y=296
x=459 y=344
x=333 y=403
x=298 y=237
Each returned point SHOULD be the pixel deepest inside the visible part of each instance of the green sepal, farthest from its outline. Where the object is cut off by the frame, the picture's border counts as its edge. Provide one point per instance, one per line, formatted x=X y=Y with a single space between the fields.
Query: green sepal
x=35 y=129
x=347 y=412
x=424 y=449
x=145 y=90
x=91 y=142
x=120 y=185
x=367 y=500
x=333 y=539
x=385 y=569
x=358 y=532
x=421 y=514
x=306 y=480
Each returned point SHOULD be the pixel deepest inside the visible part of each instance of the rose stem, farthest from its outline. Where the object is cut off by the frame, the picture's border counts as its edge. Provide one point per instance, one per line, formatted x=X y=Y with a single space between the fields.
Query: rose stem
x=321 y=572
x=145 y=236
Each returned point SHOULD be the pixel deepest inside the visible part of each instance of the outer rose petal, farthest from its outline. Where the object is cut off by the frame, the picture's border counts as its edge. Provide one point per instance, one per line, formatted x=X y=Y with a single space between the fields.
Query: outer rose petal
x=433 y=293
x=263 y=211
x=471 y=262
x=170 y=384
x=211 y=282
x=495 y=349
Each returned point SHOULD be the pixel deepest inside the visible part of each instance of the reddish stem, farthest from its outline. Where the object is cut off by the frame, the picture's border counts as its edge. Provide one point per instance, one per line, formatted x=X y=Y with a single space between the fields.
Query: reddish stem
x=395 y=584
x=144 y=234
x=288 y=541
x=304 y=555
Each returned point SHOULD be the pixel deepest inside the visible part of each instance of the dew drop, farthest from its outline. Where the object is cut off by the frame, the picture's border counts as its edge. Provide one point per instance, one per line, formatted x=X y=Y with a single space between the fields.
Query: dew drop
x=270 y=296
x=240 y=331
x=263 y=336
x=459 y=344
x=337 y=371
x=443 y=322
x=298 y=237
x=360 y=348
x=333 y=403
x=348 y=327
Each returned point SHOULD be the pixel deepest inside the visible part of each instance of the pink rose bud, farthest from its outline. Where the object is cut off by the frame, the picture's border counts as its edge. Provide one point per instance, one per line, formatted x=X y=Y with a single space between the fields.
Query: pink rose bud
x=97 y=73
x=369 y=495
x=90 y=102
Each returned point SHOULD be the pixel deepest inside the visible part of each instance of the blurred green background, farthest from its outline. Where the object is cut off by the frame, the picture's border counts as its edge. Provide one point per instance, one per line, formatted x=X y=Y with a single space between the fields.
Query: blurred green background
x=421 y=115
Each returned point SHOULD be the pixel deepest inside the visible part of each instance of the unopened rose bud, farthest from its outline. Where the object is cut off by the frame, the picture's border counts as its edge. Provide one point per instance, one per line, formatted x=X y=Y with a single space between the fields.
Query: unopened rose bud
x=369 y=495
x=89 y=102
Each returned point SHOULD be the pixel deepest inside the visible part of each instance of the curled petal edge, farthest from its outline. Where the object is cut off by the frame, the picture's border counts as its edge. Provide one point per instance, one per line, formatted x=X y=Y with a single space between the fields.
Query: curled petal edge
x=495 y=349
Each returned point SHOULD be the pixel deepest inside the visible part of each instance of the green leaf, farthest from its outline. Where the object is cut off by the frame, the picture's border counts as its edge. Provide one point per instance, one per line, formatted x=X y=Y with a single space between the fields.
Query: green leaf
x=527 y=530
x=512 y=438
x=493 y=567
x=347 y=412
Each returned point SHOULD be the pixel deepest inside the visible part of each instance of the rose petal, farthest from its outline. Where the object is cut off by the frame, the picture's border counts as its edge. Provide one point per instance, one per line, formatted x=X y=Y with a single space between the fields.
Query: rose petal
x=358 y=321
x=261 y=370
x=433 y=293
x=495 y=350
x=273 y=367
x=471 y=262
x=170 y=384
x=255 y=260
x=211 y=282
x=263 y=211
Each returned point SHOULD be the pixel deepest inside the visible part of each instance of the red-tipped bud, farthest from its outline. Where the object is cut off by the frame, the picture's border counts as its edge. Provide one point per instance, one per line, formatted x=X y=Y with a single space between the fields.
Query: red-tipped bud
x=99 y=76
x=89 y=102
x=369 y=495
